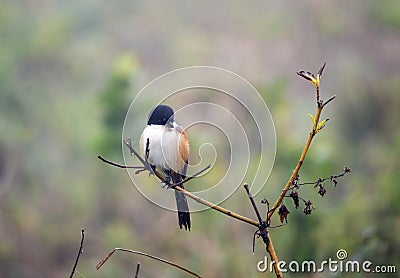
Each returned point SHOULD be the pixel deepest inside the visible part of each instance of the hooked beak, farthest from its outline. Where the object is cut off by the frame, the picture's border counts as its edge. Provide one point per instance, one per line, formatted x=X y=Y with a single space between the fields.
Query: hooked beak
x=171 y=124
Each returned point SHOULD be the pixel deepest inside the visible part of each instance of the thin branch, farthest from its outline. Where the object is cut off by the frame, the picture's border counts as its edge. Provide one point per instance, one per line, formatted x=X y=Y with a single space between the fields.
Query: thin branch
x=137 y=270
x=278 y=226
x=191 y=177
x=79 y=253
x=246 y=187
x=321 y=70
x=329 y=100
x=100 y=264
x=217 y=208
x=146 y=166
x=304 y=200
x=274 y=258
x=320 y=105
x=144 y=169
x=313 y=132
x=297 y=168
x=346 y=170
x=319 y=73
x=118 y=165
x=128 y=143
x=263 y=232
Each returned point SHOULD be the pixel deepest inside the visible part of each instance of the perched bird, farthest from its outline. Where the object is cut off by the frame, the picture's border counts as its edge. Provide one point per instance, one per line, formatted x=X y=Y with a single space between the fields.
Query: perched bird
x=168 y=152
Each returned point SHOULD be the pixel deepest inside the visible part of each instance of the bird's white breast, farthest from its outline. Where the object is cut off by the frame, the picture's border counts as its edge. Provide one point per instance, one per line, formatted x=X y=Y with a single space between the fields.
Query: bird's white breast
x=163 y=147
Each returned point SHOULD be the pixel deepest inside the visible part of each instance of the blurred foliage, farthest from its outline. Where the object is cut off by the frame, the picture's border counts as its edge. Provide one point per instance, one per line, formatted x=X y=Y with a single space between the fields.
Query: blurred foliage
x=386 y=13
x=115 y=102
x=69 y=70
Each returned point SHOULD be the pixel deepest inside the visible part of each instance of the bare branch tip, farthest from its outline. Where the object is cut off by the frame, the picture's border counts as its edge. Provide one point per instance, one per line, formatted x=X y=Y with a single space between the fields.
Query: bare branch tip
x=137 y=270
x=329 y=100
x=79 y=253
x=146 y=255
x=321 y=69
x=305 y=75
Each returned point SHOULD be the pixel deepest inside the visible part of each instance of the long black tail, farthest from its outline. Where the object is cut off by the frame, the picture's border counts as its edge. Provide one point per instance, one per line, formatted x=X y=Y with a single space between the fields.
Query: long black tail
x=183 y=210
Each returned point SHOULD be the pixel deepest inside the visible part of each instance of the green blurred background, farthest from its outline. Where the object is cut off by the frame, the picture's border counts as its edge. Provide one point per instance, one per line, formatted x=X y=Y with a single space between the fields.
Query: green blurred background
x=69 y=70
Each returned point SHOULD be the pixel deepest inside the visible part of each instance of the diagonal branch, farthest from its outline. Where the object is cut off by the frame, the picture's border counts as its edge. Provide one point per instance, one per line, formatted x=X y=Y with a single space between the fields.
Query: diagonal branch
x=253 y=203
x=262 y=225
x=320 y=106
x=79 y=253
x=298 y=166
x=316 y=119
x=216 y=207
x=118 y=165
x=274 y=258
x=102 y=262
x=191 y=177
x=176 y=186
x=137 y=270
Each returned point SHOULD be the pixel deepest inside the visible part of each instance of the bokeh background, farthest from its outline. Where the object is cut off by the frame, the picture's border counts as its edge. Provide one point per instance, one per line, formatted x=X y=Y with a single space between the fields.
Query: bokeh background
x=69 y=70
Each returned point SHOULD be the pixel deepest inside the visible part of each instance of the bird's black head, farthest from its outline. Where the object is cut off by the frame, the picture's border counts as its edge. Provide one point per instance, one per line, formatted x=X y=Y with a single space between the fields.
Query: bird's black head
x=161 y=115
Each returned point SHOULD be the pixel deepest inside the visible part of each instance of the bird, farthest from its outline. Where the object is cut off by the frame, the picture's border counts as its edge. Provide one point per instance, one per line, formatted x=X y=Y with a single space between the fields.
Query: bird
x=167 y=151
